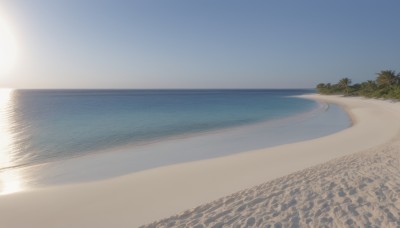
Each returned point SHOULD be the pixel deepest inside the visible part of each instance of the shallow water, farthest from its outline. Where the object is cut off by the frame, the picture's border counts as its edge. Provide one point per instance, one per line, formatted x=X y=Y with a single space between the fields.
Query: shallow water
x=58 y=142
x=49 y=125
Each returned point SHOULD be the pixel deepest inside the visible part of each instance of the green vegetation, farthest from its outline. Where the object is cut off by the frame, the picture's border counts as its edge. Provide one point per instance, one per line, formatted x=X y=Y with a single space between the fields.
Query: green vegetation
x=386 y=85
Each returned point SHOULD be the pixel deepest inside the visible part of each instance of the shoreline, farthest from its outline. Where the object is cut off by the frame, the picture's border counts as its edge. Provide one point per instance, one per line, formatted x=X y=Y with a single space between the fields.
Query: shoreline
x=301 y=116
x=224 y=142
x=143 y=197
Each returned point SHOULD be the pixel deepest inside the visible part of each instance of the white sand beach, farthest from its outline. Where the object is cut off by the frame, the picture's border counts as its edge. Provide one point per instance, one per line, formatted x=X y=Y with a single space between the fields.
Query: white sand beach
x=348 y=178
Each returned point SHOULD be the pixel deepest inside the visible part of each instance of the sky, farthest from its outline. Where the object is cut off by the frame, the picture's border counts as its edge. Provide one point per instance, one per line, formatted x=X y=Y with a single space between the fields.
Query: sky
x=195 y=44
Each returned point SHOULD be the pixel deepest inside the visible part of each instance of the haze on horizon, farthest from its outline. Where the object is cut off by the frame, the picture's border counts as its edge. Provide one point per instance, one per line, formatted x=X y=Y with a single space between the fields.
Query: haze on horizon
x=195 y=44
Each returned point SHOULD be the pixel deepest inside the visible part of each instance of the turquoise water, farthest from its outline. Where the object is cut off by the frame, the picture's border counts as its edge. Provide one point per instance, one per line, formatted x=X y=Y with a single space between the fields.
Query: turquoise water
x=50 y=137
x=47 y=125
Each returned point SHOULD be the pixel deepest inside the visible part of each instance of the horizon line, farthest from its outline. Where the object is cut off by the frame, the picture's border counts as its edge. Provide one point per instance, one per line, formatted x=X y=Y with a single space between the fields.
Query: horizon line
x=150 y=88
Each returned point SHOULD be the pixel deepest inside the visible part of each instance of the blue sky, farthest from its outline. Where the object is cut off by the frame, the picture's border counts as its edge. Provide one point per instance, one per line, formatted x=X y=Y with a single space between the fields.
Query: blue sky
x=199 y=44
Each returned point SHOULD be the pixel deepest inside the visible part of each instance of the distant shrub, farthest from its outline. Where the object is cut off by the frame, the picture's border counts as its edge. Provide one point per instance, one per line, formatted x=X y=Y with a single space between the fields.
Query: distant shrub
x=386 y=85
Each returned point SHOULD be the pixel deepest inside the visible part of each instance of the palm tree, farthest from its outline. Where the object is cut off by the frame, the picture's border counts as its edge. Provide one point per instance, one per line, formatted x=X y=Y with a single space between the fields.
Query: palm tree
x=371 y=83
x=368 y=88
x=344 y=83
x=386 y=78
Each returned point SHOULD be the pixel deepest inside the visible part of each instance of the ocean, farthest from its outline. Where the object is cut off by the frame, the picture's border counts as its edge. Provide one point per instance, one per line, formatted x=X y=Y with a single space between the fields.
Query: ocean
x=62 y=130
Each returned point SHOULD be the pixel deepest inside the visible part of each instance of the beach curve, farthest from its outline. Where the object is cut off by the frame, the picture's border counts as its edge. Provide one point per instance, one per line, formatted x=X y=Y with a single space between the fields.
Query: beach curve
x=146 y=196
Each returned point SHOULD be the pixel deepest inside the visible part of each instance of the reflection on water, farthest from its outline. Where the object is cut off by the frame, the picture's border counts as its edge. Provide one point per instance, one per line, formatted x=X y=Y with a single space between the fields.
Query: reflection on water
x=10 y=179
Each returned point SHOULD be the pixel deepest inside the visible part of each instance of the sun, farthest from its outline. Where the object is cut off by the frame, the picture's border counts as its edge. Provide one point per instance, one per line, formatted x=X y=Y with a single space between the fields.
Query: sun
x=8 y=48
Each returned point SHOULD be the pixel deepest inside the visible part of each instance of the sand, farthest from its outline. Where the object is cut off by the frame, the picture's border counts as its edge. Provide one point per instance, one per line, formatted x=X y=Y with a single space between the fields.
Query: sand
x=360 y=190
x=348 y=178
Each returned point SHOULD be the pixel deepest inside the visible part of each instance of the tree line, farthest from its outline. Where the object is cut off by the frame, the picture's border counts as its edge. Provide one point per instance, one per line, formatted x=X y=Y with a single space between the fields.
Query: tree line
x=386 y=85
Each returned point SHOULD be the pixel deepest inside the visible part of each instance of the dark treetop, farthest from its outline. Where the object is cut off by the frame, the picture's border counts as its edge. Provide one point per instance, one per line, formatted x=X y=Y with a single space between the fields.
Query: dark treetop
x=386 y=85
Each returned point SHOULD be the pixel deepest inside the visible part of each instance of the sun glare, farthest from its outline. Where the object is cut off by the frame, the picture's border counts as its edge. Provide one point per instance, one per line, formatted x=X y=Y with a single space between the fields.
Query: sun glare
x=8 y=48
x=10 y=179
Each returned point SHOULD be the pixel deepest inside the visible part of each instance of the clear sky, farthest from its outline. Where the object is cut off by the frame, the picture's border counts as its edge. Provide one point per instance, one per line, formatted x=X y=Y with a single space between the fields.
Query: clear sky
x=195 y=44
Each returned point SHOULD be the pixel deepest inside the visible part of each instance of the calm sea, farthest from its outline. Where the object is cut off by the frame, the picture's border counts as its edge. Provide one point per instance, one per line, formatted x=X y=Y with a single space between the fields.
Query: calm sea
x=46 y=126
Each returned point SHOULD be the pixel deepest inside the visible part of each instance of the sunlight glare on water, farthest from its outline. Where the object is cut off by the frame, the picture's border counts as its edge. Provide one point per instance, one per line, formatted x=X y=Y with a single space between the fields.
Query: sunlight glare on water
x=10 y=179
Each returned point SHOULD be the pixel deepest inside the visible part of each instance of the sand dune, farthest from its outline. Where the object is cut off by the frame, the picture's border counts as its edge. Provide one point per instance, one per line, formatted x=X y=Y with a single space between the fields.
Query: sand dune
x=350 y=177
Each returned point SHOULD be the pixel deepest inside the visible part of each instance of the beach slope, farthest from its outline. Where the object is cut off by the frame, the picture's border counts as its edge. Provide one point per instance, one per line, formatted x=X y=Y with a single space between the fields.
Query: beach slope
x=350 y=177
